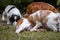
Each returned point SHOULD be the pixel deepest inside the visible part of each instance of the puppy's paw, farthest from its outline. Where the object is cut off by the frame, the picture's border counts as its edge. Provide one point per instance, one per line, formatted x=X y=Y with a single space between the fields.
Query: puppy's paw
x=36 y=30
x=55 y=30
x=16 y=32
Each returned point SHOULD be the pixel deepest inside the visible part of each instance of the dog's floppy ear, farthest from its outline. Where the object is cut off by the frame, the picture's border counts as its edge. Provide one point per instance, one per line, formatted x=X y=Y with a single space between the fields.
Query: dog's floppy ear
x=18 y=17
x=12 y=19
x=19 y=22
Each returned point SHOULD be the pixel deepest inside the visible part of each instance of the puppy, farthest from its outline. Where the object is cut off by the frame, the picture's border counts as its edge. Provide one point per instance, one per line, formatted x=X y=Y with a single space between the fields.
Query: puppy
x=12 y=13
x=36 y=20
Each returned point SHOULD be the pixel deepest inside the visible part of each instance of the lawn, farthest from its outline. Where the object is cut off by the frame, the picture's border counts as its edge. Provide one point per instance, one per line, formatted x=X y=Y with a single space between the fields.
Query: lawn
x=7 y=32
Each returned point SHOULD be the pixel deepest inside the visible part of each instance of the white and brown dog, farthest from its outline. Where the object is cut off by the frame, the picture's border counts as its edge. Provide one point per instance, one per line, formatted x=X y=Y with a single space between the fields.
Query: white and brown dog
x=38 y=18
x=12 y=13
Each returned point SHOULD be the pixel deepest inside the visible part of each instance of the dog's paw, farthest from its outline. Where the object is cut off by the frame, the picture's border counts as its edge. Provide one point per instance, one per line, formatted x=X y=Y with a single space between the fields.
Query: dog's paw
x=55 y=30
x=59 y=30
x=16 y=32
x=34 y=30
x=8 y=23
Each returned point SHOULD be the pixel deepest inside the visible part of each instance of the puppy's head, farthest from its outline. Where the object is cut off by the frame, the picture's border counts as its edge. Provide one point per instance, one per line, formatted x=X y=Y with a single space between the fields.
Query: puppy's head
x=14 y=18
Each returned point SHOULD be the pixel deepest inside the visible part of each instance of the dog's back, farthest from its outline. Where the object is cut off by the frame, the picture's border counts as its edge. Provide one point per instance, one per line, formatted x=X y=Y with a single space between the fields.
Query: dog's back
x=8 y=7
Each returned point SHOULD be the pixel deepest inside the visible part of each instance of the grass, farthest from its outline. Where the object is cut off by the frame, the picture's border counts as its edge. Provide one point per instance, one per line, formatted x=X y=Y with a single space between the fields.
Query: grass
x=7 y=32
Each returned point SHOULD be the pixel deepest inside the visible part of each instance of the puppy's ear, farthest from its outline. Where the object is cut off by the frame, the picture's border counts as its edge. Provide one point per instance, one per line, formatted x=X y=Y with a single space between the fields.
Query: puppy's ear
x=18 y=17
x=19 y=22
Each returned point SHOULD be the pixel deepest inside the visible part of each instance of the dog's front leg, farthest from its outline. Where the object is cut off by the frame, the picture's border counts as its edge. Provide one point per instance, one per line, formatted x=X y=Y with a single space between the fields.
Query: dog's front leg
x=8 y=21
x=59 y=27
x=38 y=24
x=3 y=15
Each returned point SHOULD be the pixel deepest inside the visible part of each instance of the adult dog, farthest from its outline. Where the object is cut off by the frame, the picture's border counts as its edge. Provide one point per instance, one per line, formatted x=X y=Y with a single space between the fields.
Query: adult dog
x=13 y=14
x=38 y=18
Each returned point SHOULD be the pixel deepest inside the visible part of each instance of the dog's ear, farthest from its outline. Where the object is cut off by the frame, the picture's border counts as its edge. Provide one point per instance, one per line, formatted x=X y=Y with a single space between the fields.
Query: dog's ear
x=18 y=17
x=19 y=22
x=12 y=19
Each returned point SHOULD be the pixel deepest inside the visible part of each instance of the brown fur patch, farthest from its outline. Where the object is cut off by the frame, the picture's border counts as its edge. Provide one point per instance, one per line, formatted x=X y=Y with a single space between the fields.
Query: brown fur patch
x=19 y=22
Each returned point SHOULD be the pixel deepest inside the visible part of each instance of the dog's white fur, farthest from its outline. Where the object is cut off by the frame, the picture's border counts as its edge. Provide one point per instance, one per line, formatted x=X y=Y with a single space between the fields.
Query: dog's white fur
x=51 y=22
x=25 y=25
x=13 y=11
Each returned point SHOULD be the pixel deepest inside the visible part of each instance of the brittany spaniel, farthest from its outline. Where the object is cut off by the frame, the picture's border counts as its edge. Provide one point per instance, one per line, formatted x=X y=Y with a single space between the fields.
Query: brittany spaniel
x=35 y=6
x=12 y=13
x=36 y=20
